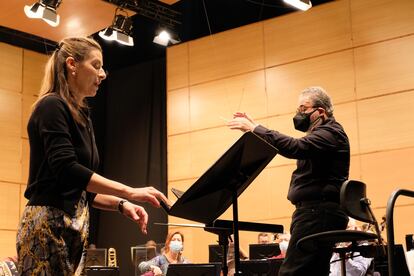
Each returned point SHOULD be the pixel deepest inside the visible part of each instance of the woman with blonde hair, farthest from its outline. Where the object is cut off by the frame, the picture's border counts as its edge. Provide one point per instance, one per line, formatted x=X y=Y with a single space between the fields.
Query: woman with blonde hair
x=62 y=184
x=172 y=255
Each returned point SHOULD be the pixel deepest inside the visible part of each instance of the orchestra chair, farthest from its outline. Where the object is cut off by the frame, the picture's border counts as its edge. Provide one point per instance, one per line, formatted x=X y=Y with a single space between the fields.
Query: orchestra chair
x=396 y=262
x=356 y=205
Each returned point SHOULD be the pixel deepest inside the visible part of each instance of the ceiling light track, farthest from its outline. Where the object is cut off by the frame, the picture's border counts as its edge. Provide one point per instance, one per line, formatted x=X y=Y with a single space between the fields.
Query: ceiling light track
x=152 y=10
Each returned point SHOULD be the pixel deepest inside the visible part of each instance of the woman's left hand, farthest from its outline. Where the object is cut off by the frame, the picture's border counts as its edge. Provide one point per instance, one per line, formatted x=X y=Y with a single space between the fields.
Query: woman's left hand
x=137 y=214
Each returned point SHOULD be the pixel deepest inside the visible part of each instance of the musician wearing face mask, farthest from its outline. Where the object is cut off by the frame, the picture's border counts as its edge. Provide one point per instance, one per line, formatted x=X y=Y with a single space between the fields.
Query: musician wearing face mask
x=283 y=245
x=323 y=157
x=172 y=255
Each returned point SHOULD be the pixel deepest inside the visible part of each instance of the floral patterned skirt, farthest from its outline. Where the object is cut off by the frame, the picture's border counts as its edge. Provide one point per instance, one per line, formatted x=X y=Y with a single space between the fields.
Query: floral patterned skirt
x=50 y=242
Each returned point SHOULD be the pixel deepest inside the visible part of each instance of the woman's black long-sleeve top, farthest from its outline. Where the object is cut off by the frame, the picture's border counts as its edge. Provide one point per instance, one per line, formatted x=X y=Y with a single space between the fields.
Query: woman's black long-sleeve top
x=63 y=155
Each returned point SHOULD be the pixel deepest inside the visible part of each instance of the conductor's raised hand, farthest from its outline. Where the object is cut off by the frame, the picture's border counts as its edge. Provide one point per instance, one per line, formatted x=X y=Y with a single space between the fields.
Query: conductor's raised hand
x=147 y=194
x=242 y=121
x=137 y=214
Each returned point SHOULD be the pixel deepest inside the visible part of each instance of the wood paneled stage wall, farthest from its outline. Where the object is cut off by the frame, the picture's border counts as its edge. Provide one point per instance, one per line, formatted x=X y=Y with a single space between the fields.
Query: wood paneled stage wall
x=361 y=51
x=21 y=72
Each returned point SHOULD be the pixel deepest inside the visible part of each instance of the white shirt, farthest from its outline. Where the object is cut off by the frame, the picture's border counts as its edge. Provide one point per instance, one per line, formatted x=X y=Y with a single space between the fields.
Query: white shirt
x=357 y=266
x=410 y=261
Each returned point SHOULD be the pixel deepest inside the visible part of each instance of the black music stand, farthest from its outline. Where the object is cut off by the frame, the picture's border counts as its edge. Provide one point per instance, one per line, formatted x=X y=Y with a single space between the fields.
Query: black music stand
x=218 y=188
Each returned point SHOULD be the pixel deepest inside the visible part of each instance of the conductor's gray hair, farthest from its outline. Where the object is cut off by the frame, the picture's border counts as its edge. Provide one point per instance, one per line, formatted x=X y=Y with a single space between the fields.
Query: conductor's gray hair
x=319 y=98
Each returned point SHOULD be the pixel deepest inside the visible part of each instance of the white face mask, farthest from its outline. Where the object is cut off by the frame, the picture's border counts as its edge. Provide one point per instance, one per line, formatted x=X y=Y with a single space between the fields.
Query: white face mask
x=176 y=246
x=283 y=245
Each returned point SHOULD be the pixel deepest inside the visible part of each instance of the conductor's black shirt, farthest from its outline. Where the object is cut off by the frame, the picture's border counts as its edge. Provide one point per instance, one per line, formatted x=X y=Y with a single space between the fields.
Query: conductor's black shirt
x=322 y=160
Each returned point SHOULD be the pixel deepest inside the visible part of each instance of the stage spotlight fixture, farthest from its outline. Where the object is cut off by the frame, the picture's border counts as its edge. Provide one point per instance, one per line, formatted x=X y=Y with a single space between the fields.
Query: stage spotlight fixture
x=120 y=30
x=44 y=9
x=303 y=5
x=165 y=37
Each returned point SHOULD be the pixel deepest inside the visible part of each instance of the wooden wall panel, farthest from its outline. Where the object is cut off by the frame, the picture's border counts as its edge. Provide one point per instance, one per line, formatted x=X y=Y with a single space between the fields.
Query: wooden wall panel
x=215 y=57
x=25 y=159
x=384 y=123
x=346 y=115
x=179 y=157
x=284 y=83
x=10 y=68
x=177 y=66
x=402 y=222
x=385 y=67
x=178 y=111
x=207 y=146
x=323 y=29
x=33 y=71
x=279 y=178
x=213 y=103
x=355 y=168
x=23 y=200
x=8 y=243
x=27 y=102
x=10 y=113
x=376 y=20
x=257 y=195
x=385 y=171
x=10 y=134
x=9 y=206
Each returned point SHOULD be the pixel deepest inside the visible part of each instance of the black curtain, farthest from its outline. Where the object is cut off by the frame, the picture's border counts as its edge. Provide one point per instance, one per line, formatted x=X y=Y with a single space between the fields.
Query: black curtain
x=129 y=115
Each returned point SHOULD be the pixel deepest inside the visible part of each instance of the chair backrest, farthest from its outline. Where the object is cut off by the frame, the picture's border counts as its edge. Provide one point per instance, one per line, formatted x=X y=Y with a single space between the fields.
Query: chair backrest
x=356 y=205
x=355 y=202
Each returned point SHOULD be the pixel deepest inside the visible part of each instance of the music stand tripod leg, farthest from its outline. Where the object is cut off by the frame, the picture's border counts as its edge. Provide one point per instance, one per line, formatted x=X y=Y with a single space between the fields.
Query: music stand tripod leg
x=224 y=243
x=236 y=235
x=342 y=255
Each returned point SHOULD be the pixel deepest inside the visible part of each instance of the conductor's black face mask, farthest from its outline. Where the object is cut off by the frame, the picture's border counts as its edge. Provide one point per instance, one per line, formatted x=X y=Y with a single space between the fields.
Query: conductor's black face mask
x=302 y=120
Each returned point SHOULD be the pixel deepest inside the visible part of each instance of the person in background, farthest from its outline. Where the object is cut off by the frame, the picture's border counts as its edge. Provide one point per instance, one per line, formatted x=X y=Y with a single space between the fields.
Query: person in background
x=63 y=183
x=174 y=246
x=410 y=259
x=230 y=256
x=323 y=158
x=283 y=245
x=355 y=265
x=151 y=249
x=8 y=266
x=263 y=238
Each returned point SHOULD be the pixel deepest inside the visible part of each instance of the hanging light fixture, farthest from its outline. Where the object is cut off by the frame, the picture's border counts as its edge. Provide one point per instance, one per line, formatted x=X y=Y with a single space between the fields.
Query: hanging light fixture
x=120 y=30
x=165 y=37
x=44 y=9
x=303 y=5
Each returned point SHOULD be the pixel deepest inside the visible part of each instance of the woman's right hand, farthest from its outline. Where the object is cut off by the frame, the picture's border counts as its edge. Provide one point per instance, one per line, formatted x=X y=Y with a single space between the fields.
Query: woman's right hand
x=147 y=194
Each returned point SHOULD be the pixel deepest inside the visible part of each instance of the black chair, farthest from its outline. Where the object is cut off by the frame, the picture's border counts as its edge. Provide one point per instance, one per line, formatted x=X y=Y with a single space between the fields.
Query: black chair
x=356 y=205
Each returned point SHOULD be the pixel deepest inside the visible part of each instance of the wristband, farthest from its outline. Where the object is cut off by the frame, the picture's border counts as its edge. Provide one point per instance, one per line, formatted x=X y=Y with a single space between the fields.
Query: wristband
x=121 y=205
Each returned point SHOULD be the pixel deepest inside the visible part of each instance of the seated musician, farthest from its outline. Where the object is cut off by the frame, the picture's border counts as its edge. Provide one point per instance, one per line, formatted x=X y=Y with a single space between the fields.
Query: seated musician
x=172 y=254
x=263 y=238
x=355 y=265
x=410 y=256
x=8 y=266
x=230 y=256
x=283 y=245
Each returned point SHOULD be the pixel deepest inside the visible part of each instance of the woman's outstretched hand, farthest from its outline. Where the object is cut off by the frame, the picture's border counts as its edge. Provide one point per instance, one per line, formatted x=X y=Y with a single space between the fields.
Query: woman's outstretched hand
x=147 y=194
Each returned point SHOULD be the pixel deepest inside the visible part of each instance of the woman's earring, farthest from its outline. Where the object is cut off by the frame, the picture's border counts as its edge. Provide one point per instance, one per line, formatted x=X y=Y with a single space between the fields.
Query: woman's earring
x=73 y=73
